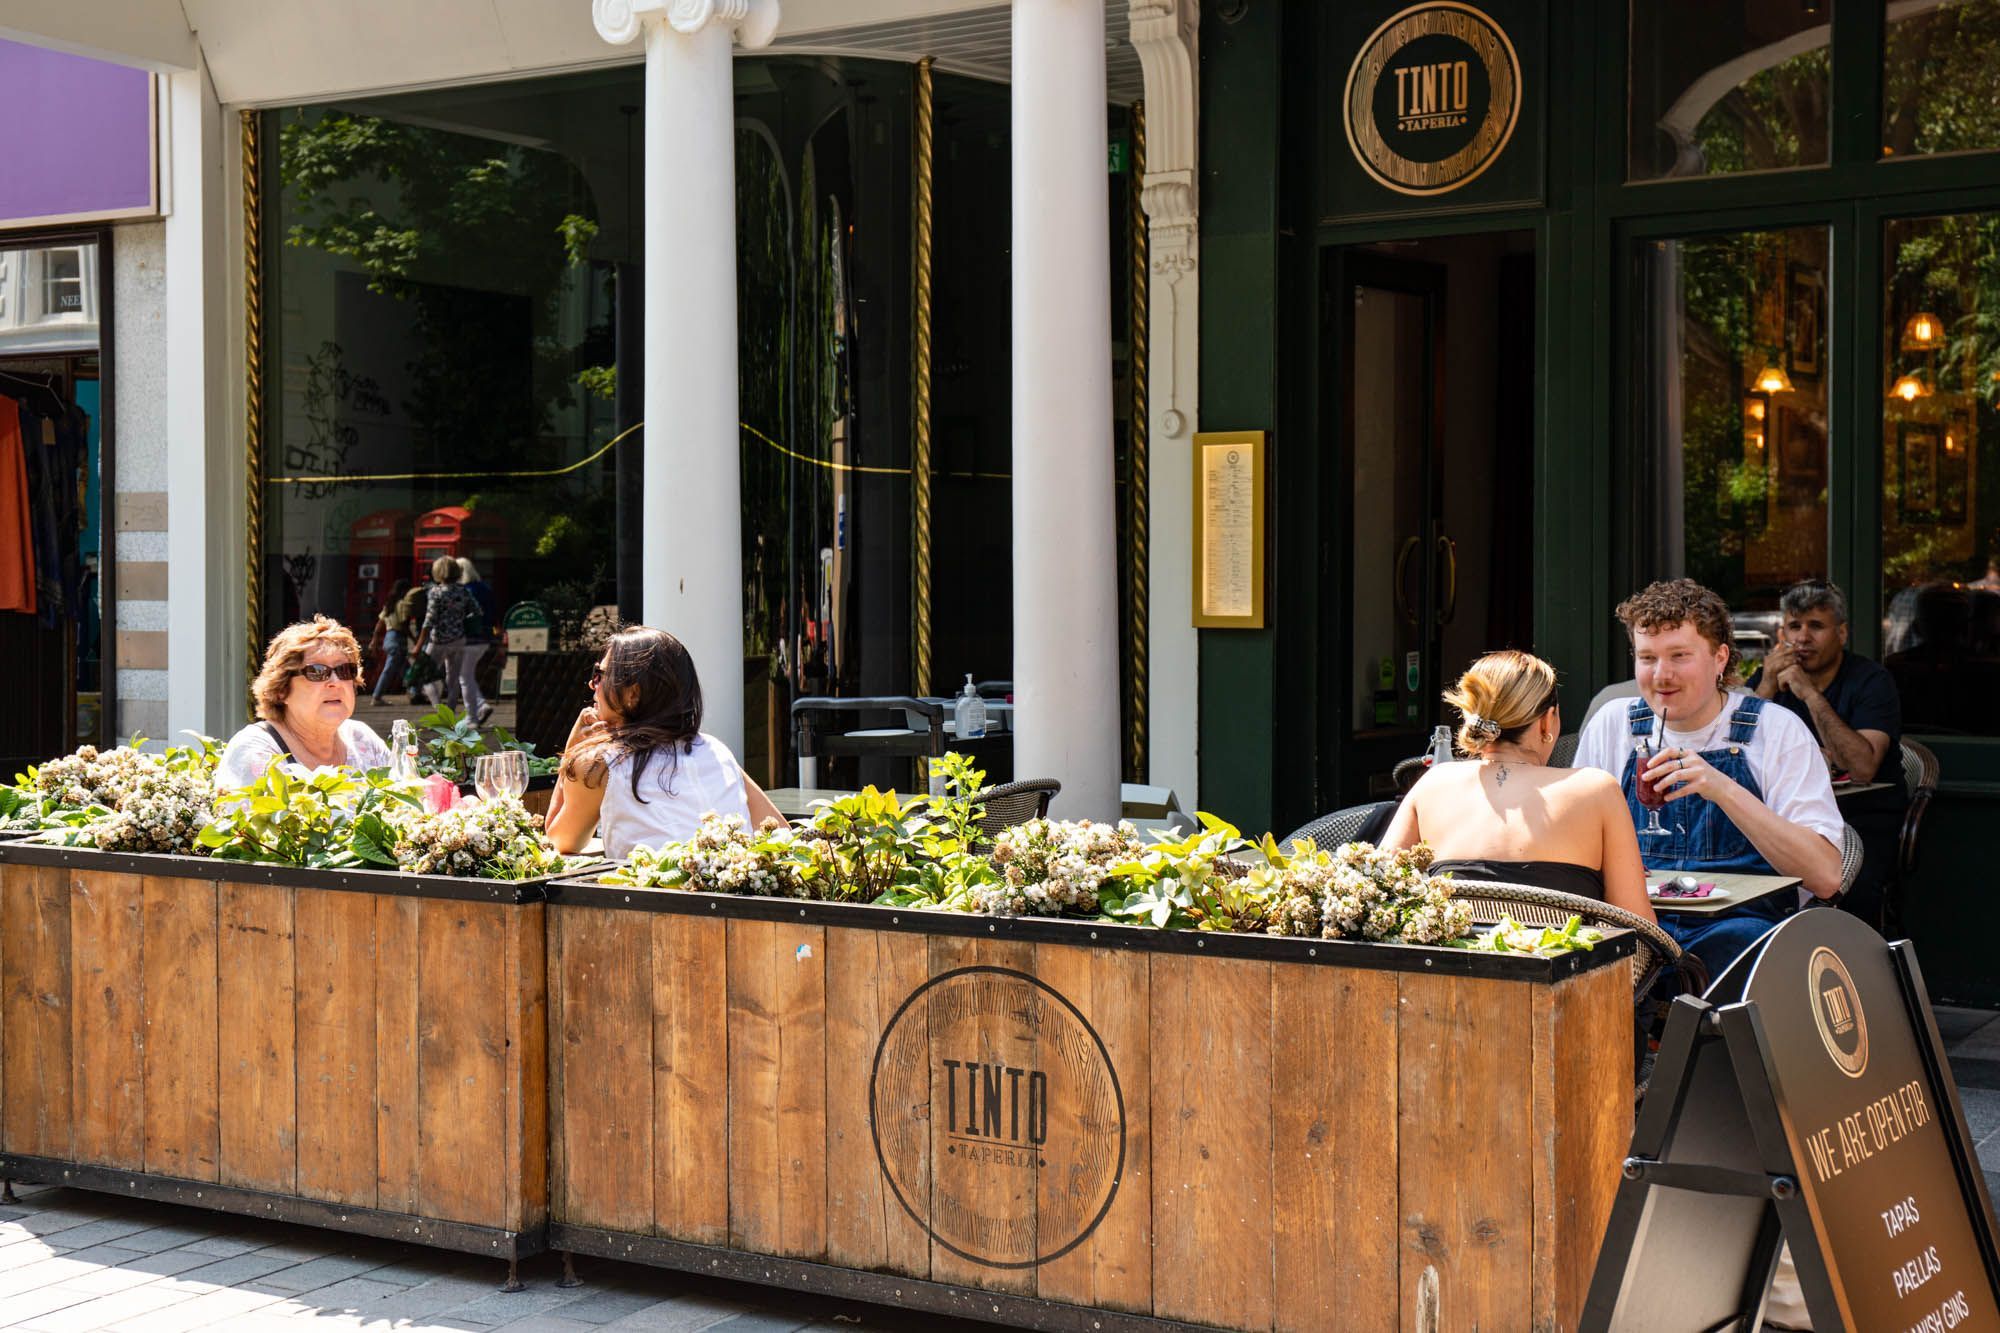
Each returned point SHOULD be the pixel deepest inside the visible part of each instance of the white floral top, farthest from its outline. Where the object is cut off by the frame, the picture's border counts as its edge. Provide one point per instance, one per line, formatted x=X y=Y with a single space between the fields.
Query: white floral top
x=252 y=749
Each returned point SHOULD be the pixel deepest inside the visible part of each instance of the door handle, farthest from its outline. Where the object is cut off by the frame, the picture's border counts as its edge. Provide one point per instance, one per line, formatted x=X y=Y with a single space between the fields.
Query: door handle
x=1404 y=607
x=1449 y=550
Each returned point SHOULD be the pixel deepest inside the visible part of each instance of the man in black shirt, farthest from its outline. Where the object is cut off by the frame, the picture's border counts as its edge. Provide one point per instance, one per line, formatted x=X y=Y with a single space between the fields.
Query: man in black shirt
x=1854 y=710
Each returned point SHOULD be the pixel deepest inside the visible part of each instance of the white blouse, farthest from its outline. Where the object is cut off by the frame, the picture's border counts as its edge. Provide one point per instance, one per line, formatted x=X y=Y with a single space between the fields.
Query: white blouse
x=252 y=749
x=679 y=788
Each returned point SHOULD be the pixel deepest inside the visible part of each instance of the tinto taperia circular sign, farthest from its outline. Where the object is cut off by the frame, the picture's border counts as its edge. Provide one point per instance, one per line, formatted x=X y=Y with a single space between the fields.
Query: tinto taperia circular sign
x=997 y=1117
x=1432 y=98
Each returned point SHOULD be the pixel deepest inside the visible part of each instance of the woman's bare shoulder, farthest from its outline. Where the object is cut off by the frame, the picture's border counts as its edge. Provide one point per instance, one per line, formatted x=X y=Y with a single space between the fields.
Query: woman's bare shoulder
x=1589 y=783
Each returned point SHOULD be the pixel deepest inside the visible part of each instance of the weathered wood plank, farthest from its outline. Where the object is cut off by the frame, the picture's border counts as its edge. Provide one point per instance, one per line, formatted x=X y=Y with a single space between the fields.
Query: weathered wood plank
x=801 y=1015
x=777 y=1088
x=461 y=1078
x=1463 y=1139
x=1112 y=1265
x=183 y=1130
x=691 y=1079
x=1333 y=1036
x=526 y=1148
x=868 y=976
x=607 y=1009
x=335 y=948
x=1583 y=1115
x=754 y=1150
x=396 y=1087
x=983 y=1183
x=256 y=1038
x=107 y=934
x=1212 y=1189
x=35 y=974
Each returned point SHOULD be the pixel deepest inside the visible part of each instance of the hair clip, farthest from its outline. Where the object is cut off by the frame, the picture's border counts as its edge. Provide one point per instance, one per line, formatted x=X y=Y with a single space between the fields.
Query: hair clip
x=1485 y=726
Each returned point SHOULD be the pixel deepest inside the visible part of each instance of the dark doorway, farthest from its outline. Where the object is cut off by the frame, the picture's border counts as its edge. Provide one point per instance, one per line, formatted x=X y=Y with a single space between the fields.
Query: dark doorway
x=1428 y=396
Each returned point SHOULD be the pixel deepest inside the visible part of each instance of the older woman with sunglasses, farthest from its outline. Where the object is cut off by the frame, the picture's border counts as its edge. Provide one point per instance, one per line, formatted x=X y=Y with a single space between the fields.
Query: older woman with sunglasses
x=305 y=706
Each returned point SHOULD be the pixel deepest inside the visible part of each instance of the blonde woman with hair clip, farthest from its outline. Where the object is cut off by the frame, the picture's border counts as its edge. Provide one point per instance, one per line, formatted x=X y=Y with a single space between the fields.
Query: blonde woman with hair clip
x=1507 y=815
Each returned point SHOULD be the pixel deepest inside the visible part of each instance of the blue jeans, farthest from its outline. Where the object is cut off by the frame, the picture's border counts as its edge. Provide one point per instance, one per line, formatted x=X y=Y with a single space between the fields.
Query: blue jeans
x=393 y=661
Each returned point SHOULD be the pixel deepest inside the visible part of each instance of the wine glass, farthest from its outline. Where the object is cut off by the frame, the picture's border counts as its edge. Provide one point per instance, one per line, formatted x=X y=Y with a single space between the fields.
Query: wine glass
x=502 y=774
x=1644 y=749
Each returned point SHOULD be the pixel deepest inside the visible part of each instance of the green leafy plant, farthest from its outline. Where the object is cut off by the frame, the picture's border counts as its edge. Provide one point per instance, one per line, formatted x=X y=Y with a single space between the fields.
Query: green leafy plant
x=304 y=821
x=1184 y=884
x=1510 y=936
x=448 y=742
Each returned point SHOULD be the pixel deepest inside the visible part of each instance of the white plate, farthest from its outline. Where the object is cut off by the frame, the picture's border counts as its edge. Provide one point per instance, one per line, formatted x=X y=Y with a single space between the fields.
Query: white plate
x=1715 y=895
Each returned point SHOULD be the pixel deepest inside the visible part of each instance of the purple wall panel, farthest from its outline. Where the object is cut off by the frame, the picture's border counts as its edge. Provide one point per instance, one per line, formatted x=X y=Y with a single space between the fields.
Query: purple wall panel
x=76 y=136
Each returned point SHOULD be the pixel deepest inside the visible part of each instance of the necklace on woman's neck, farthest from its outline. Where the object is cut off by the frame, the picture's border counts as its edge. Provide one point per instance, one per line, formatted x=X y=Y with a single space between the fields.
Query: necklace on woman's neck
x=1500 y=762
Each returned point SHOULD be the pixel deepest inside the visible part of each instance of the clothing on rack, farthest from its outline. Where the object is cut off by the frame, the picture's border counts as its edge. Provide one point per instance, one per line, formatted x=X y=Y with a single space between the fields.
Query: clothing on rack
x=17 y=552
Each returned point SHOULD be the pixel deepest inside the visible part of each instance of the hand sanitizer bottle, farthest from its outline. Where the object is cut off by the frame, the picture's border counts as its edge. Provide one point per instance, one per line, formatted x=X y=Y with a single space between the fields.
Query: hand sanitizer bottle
x=970 y=713
x=1440 y=752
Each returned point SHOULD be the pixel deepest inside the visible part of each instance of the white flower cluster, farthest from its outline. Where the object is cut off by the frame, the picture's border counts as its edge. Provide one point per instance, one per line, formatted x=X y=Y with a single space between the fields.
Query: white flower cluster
x=724 y=856
x=1373 y=894
x=495 y=839
x=163 y=813
x=94 y=777
x=1051 y=867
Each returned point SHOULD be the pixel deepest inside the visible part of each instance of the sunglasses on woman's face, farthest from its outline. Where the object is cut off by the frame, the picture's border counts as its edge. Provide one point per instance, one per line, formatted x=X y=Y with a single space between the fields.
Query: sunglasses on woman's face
x=319 y=673
x=597 y=675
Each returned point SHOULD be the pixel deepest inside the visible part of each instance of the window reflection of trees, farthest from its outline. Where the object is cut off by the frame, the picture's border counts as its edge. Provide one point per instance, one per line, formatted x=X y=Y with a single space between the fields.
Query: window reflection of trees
x=1937 y=76
x=1739 y=391
x=1940 y=527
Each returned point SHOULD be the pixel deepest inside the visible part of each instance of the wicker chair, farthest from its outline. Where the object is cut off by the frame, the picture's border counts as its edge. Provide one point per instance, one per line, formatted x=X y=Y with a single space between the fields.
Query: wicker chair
x=1339 y=828
x=1851 y=852
x=1564 y=753
x=1547 y=907
x=1015 y=803
x=1920 y=779
x=1407 y=771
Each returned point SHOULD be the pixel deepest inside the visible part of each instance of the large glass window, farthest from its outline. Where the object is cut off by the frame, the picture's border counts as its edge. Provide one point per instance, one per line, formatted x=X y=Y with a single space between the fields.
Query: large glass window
x=1719 y=86
x=1733 y=376
x=1940 y=527
x=1938 y=90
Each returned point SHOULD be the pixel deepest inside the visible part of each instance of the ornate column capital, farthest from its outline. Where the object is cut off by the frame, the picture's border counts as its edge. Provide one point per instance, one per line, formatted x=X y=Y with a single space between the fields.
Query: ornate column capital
x=1164 y=33
x=621 y=21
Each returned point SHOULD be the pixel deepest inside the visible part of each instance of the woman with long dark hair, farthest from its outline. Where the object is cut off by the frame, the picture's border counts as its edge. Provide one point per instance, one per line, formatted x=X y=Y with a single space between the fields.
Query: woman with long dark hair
x=638 y=766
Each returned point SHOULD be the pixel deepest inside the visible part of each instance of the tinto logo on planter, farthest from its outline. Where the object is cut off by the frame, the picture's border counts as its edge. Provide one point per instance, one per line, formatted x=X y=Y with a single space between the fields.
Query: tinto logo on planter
x=997 y=1117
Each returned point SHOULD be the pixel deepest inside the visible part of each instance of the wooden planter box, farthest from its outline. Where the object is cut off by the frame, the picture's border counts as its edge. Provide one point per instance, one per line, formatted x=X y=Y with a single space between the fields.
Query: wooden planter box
x=1065 y=1125
x=354 y=1049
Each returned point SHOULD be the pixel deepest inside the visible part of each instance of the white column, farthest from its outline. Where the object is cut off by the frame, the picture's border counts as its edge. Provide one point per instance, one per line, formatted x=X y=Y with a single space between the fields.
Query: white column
x=206 y=646
x=1065 y=557
x=1164 y=34
x=692 y=555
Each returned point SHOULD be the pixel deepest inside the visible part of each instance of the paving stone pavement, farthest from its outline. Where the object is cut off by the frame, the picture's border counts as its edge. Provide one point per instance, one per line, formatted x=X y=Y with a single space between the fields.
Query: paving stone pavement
x=76 y=1262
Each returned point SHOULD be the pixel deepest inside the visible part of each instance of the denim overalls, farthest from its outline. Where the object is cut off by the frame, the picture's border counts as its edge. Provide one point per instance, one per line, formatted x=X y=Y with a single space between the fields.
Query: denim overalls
x=1705 y=840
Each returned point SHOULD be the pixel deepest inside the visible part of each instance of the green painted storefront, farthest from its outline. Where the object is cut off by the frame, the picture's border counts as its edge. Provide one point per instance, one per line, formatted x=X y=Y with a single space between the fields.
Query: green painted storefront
x=1282 y=208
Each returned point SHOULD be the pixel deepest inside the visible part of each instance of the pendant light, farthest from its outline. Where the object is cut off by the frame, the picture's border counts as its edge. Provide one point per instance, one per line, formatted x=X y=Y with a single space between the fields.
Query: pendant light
x=1910 y=387
x=1772 y=378
x=1923 y=332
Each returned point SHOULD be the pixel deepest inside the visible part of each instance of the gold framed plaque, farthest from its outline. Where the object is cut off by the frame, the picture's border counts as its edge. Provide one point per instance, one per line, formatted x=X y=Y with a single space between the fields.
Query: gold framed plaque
x=1229 y=529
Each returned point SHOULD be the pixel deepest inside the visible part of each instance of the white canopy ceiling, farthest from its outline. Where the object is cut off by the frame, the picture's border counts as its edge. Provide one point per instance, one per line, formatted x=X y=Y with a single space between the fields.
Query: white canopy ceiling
x=275 y=51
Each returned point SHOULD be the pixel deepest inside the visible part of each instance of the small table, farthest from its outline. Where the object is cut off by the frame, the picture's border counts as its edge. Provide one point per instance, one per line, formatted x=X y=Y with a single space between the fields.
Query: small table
x=797 y=802
x=1741 y=888
x=1857 y=788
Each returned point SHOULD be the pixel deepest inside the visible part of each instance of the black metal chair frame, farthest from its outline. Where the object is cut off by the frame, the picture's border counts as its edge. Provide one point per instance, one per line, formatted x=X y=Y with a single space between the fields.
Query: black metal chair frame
x=915 y=741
